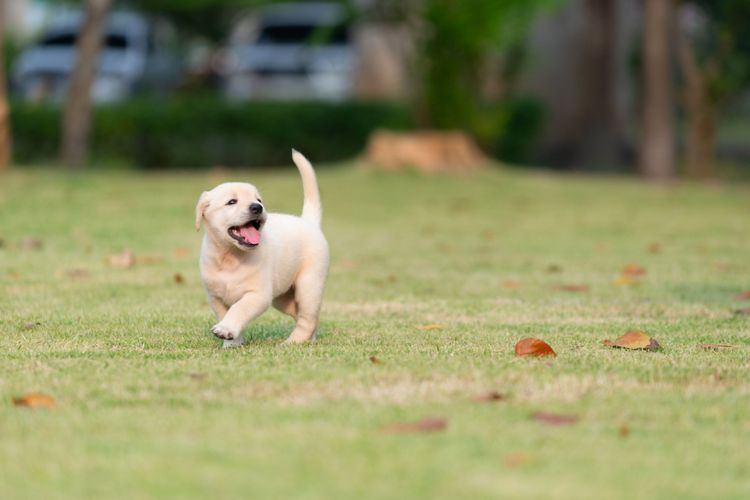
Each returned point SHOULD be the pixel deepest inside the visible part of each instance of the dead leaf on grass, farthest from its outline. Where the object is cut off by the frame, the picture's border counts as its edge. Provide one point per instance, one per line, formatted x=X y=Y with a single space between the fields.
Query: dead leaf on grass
x=77 y=274
x=490 y=397
x=633 y=270
x=573 y=288
x=425 y=425
x=180 y=252
x=743 y=295
x=432 y=326
x=488 y=235
x=31 y=244
x=124 y=259
x=553 y=268
x=716 y=347
x=555 y=419
x=35 y=400
x=623 y=430
x=197 y=376
x=149 y=259
x=634 y=340
x=654 y=248
x=374 y=360
x=511 y=284
x=31 y=326
x=516 y=459
x=179 y=279
x=533 y=347
x=625 y=280
x=745 y=311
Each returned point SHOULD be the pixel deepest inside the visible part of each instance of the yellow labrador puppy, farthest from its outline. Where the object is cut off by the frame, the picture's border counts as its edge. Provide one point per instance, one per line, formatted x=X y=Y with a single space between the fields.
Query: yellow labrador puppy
x=251 y=259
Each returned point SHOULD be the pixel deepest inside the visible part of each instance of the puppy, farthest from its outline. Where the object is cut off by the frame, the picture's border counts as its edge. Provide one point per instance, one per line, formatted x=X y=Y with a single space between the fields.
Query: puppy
x=251 y=259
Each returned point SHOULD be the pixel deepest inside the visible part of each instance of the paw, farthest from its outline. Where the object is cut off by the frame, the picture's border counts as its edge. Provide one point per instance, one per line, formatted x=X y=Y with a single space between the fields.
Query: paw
x=224 y=332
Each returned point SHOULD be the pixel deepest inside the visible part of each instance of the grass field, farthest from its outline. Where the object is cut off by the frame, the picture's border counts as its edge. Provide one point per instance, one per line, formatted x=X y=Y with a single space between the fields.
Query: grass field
x=148 y=405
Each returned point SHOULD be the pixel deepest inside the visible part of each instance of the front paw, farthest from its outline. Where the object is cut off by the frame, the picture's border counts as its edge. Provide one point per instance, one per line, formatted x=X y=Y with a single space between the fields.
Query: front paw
x=224 y=332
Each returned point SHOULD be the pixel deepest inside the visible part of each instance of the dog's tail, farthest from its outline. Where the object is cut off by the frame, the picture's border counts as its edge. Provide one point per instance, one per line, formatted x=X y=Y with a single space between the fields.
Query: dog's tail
x=311 y=208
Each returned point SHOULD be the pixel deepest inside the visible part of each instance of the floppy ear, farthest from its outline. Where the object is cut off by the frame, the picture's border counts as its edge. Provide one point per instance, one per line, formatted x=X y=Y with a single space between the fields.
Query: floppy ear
x=200 y=209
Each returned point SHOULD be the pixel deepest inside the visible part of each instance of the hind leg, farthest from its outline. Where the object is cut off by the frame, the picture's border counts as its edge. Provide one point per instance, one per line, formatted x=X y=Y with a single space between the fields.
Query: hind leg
x=309 y=297
x=286 y=303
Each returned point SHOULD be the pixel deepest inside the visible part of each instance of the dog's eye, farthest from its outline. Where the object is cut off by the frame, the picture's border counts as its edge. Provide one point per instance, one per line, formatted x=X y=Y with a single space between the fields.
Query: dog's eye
x=260 y=201
x=232 y=201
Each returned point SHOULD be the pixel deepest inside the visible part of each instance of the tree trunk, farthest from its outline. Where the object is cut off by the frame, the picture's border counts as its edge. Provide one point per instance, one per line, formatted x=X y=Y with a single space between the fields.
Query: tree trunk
x=597 y=134
x=700 y=110
x=77 y=115
x=657 y=153
x=5 y=143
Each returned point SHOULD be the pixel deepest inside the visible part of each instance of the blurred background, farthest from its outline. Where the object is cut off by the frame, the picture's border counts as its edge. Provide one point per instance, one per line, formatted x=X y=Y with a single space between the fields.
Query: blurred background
x=656 y=88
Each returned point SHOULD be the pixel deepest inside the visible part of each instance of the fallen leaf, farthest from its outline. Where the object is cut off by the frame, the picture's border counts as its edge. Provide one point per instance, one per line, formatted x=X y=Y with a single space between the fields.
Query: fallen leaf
x=511 y=284
x=31 y=244
x=179 y=279
x=633 y=270
x=433 y=326
x=488 y=234
x=745 y=311
x=716 y=347
x=573 y=288
x=35 y=400
x=125 y=259
x=624 y=430
x=516 y=459
x=554 y=418
x=634 y=340
x=490 y=397
x=181 y=252
x=743 y=296
x=31 y=326
x=148 y=259
x=197 y=376
x=77 y=274
x=553 y=268
x=601 y=247
x=533 y=347
x=653 y=248
x=374 y=360
x=625 y=280
x=427 y=424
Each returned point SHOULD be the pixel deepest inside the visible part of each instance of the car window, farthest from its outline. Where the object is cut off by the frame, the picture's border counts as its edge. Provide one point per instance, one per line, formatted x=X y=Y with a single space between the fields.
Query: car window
x=112 y=41
x=298 y=33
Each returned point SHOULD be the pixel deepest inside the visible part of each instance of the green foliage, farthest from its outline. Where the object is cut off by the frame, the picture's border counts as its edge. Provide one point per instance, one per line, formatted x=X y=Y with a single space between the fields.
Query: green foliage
x=454 y=54
x=188 y=132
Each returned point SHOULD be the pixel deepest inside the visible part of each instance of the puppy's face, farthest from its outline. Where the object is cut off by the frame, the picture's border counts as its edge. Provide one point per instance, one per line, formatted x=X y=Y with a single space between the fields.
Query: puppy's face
x=234 y=214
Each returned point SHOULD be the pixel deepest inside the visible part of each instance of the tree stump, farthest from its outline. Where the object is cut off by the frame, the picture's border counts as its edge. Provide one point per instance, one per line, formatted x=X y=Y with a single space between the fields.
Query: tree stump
x=425 y=151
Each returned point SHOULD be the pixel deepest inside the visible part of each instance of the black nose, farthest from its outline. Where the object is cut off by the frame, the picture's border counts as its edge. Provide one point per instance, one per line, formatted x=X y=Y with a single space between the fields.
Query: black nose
x=256 y=208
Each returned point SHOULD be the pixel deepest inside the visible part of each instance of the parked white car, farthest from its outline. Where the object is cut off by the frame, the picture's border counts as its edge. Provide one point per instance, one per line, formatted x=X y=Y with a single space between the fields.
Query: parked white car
x=291 y=51
x=136 y=55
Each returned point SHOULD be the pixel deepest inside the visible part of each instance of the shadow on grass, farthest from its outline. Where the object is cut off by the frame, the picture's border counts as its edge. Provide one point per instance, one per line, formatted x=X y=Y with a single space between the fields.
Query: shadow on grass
x=276 y=331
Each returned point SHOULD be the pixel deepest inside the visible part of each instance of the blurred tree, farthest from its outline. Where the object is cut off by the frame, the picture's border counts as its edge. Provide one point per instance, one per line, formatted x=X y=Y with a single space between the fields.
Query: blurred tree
x=5 y=144
x=454 y=44
x=657 y=150
x=76 y=122
x=714 y=56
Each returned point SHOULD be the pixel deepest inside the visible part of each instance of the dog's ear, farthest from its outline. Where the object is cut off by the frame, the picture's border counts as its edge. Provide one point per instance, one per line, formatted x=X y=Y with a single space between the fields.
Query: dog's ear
x=200 y=209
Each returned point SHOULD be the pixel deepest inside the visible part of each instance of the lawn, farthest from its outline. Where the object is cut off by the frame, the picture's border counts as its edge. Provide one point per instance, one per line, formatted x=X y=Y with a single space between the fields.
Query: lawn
x=148 y=405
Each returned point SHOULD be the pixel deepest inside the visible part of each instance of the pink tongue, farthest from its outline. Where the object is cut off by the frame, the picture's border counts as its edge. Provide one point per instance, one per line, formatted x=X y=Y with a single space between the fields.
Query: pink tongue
x=250 y=235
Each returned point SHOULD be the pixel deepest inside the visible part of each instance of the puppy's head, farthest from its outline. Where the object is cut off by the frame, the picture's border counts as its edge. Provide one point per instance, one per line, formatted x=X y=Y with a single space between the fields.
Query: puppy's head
x=234 y=214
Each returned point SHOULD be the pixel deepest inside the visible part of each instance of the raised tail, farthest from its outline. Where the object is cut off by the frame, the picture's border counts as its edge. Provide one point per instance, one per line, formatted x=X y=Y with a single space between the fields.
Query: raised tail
x=311 y=208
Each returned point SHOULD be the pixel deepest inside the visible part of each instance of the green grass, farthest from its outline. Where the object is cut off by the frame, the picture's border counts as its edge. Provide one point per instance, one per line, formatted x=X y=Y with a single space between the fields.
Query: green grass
x=150 y=406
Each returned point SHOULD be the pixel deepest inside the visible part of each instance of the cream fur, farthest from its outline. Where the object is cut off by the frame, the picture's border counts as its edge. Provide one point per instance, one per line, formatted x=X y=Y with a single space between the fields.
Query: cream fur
x=288 y=269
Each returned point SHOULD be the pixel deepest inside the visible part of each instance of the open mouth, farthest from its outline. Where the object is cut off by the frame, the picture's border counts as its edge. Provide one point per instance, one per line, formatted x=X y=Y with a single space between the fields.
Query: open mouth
x=247 y=235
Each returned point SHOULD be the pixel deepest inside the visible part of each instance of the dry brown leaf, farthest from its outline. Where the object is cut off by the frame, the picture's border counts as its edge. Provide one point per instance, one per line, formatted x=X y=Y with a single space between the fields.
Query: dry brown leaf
x=716 y=347
x=488 y=234
x=533 y=347
x=35 y=400
x=179 y=279
x=124 y=259
x=374 y=360
x=574 y=288
x=432 y=326
x=181 y=252
x=149 y=259
x=516 y=459
x=77 y=274
x=427 y=424
x=553 y=268
x=511 y=284
x=624 y=430
x=625 y=280
x=31 y=244
x=745 y=311
x=197 y=376
x=490 y=397
x=743 y=296
x=31 y=326
x=554 y=418
x=633 y=270
x=634 y=340
x=654 y=248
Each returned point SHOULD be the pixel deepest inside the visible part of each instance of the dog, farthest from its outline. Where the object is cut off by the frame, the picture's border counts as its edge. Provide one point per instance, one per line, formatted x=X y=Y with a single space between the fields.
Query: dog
x=251 y=259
